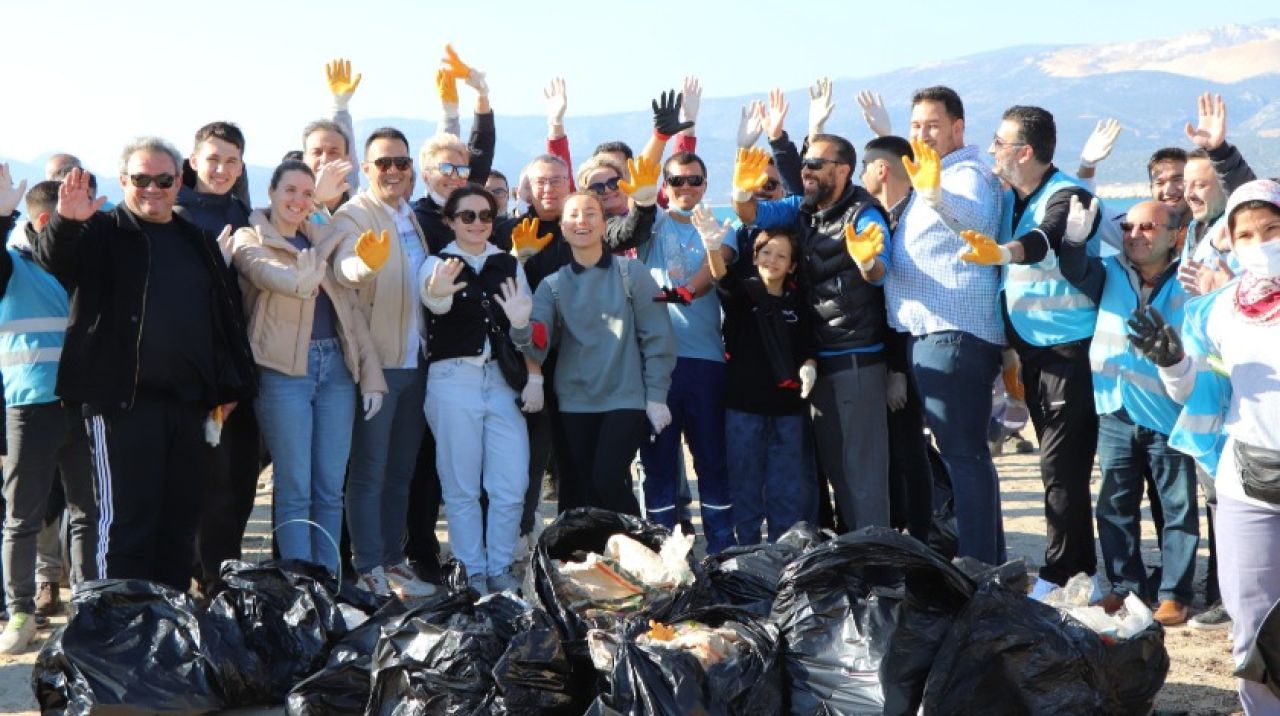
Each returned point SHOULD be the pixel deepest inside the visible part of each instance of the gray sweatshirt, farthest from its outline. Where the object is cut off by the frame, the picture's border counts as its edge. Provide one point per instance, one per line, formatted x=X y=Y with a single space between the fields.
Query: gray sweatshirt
x=614 y=353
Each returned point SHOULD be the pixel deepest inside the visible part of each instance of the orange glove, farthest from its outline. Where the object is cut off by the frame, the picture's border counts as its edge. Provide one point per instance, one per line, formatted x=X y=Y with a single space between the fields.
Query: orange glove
x=456 y=66
x=374 y=250
x=864 y=247
x=447 y=87
x=525 y=239
x=643 y=187
x=984 y=250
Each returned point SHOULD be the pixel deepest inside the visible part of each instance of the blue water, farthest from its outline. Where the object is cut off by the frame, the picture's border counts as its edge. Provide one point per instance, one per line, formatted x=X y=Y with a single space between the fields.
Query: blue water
x=725 y=211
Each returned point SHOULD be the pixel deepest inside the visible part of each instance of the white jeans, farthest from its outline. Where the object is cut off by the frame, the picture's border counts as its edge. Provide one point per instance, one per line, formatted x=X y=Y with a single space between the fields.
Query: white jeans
x=481 y=441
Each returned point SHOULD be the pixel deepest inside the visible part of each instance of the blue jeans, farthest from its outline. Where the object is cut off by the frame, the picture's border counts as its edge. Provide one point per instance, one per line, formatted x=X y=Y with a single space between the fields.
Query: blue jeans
x=953 y=372
x=384 y=452
x=1124 y=449
x=306 y=422
x=772 y=463
x=696 y=401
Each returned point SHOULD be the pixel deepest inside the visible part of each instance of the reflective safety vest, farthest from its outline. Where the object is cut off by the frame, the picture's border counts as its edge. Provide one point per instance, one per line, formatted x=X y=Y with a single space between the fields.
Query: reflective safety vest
x=33 y=326
x=1123 y=377
x=1201 y=427
x=1044 y=308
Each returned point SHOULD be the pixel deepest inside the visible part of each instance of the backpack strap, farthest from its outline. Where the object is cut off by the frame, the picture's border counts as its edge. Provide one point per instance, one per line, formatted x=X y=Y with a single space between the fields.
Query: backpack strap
x=624 y=270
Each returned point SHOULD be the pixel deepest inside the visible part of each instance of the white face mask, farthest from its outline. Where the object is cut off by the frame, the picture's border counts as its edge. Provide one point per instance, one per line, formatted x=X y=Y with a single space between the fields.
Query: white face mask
x=1261 y=260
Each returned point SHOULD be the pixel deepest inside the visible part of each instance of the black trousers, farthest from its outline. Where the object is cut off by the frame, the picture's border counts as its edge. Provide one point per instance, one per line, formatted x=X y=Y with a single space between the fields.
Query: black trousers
x=910 y=474
x=229 y=492
x=599 y=448
x=422 y=547
x=1059 y=387
x=149 y=460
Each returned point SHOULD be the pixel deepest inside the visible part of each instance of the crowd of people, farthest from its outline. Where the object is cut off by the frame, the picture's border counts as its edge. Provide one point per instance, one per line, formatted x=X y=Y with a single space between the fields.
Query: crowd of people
x=388 y=355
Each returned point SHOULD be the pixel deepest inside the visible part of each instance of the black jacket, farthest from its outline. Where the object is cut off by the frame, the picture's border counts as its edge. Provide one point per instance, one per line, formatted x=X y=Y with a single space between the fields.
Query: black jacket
x=623 y=233
x=481 y=144
x=105 y=261
x=462 y=331
x=212 y=212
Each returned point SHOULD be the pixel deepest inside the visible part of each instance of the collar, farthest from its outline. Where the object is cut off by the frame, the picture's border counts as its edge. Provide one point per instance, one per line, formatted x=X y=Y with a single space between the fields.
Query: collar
x=967 y=153
x=606 y=260
x=1048 y=174
x=475 y=261
x=396 y=212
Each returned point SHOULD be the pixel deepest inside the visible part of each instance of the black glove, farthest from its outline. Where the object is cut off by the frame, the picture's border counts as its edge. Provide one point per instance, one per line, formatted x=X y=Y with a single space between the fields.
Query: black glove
x=1155 y=338
x=669 y=294
x=666 y=115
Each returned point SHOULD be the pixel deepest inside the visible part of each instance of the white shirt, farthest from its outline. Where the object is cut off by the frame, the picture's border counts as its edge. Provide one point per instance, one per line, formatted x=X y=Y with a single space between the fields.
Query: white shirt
x=441 y=306
x=414 y=256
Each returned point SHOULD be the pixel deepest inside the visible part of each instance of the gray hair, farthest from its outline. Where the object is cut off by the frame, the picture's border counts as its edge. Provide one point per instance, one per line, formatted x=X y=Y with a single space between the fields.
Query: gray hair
x=547 y=159
x=595 y=164
x=327 y=125
x=150 y=145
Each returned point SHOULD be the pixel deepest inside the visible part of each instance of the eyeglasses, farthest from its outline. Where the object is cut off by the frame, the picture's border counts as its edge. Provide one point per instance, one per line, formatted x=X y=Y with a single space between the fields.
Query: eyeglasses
x=162 y=181
x=462 y=171
x=500 y=192
x=769 y=185
x=683 y=180
x=385 y=163
x=999 y=143
x=601 y=187
x=468 y=216
x=817 y=163
x=1145 y=227
x=555 y=182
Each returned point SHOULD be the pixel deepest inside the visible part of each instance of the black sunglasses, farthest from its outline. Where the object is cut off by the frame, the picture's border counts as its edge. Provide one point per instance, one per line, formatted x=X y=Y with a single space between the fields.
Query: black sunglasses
x=601 y=187
x=1144 y=227
x=468 y=216
x=162 y=181
x=681 y=181
x=385 y=163
x=462 y=171
x=817 y=163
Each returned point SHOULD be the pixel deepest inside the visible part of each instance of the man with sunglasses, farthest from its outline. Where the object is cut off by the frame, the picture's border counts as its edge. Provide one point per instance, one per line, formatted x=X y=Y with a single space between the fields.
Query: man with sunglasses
x=154 y=343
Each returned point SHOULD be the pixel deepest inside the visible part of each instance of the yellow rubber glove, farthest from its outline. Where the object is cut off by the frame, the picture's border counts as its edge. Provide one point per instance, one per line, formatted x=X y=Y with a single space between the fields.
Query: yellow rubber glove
x=456 y=66
x=447 y=87
x=749 y=173
x=643 y=187
x=984 y=250
x=864 y=247
x=374 y=250
x=525 y=239
x=341 y=85
x=925 y=172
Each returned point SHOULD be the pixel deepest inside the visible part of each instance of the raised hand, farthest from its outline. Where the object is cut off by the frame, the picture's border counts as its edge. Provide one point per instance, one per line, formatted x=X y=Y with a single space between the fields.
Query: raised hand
x=1211 y=128
x=517 y=304
x=777 y=115
x=874 y=113
x=643 y=187
x=454 y=64
x=1155 y=338
x=709 y=230
x=73 y=197
x=341 y=85
x=925 y=172
x=1080 y=220
x=692 y=93
x=666 y=115
x=10 y=196
x=444 y=279
x=1198 y=278
x=525 y=239
x=557 y=102
x=864 y=246
x=749 y=173
x=984 y=250
x=820 y=106
x=447 y=89
x=374 y=250
x=751 y=124
x=331 y=180
x=1099 y=144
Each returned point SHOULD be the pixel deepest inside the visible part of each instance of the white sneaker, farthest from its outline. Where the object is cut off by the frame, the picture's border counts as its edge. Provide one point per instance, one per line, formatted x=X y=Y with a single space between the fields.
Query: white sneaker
x=405 y=583
x=18 y=633
x=1041 y=589
x=375 y=581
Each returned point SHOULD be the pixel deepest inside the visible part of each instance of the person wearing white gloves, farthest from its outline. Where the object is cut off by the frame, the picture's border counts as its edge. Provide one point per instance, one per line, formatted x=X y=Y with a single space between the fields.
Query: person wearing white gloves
x=313 y=348
x=615 y=353
x=477 y=384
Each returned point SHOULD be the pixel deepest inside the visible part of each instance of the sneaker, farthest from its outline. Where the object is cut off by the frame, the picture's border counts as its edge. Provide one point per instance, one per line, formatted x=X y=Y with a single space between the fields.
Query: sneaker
x=375 y=581
x=1041 y=589
x=48 y=599
x=1171 y=613
x=1023 y=446
x=1212 y=619
x=405 y=583
x=505 y=582
x=479 y=584
x=18 y=633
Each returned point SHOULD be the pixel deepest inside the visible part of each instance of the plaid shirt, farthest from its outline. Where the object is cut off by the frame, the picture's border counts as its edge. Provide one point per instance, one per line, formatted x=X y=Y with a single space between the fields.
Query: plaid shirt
x=929 y=289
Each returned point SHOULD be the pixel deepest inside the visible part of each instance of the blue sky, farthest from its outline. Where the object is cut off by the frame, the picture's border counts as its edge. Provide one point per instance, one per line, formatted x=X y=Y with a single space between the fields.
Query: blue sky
x=84 y=76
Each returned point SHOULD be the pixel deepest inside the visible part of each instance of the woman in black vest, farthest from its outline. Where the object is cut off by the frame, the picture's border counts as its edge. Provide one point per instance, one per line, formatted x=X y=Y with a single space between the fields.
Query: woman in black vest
x=477 y=384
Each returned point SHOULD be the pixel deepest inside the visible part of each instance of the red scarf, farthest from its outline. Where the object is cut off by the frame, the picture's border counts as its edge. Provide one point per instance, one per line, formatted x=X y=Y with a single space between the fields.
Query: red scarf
x=1258 y=299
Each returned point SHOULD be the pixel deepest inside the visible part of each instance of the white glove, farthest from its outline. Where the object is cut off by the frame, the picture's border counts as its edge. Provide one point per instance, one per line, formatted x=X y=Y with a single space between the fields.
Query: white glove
x=820 y=106
x=751 y=124
x=557 y=102
x=874 y=114
x=692 y=99
x=331 y=180
x=711 y=231
x=310 y=271
x=531 y=397
x=517 y=304
x=372 y=404
x=475 y=81
x=226 y=242
x=1099 y=144
x=808 y=376
x=659 y=416
x=896 y=390
x=1080 y=221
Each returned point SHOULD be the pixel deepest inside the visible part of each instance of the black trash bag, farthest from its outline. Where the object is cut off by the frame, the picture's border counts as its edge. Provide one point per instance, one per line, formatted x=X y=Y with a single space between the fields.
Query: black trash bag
x=1262 y=663
x=652 y=680
x=943 y=535
x=138 y=647
x=1011 y=574
x=1008 y=654
x=343 y=685
x=747 y=576
x=452 y=655
x=860 y=619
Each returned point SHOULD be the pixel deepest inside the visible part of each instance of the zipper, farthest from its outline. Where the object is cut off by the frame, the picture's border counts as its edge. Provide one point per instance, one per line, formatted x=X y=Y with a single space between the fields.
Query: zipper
x=142 y=317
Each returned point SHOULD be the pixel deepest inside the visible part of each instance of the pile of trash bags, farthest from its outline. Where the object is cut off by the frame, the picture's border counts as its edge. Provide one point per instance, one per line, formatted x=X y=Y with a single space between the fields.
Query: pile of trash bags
x=621 y=618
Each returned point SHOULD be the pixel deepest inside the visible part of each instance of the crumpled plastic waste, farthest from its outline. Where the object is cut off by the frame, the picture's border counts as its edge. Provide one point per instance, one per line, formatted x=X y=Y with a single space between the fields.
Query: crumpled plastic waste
x=1074 y=599
x=618 y=579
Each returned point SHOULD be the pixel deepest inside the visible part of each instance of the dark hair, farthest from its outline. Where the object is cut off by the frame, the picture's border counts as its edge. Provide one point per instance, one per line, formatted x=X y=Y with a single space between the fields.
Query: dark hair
x=782 y=232
x=682 y=158
x=938 y=93
x=289 y=165
x=615 y=147
x=385 y=133
x=294 y=154
x=43 y=197
x=1165 y=154
x=892 y=144
x=1037 y=128
x=462 y=192
x=495 y=173
x=1246 y=205
x=844 y=148
x=329 y=125
x=226 y=131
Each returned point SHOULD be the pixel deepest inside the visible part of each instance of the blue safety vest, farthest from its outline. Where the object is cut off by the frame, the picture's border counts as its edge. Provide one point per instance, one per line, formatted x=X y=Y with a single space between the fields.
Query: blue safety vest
x=33 y=327
x=1123 y=377
x=1201 y=427
x=1044 y=308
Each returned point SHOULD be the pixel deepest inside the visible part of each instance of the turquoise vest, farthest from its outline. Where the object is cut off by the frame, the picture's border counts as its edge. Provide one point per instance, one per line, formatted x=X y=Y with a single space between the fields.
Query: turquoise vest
x=1200 y=430
x=1122 y=377
x=33 y=326
x=1044 y=308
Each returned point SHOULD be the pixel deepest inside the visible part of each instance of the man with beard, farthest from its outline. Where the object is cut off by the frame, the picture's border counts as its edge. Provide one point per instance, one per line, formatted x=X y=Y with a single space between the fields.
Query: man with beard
x=845 y=294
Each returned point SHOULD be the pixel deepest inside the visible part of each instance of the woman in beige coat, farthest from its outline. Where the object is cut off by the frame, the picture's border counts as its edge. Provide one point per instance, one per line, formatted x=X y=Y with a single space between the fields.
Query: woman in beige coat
x=313 y=347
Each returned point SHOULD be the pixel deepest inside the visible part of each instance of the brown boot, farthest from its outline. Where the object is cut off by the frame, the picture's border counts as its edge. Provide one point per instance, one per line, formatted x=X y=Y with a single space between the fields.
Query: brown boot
x=1110 y=602
x=1171 y=613
x=48 y=599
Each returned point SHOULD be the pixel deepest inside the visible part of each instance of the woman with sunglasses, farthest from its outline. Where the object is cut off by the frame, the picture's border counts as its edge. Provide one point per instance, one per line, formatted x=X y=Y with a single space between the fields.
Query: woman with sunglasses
x=445 y=167
x=313 y=347
x=600 y=175
x=477 y=384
